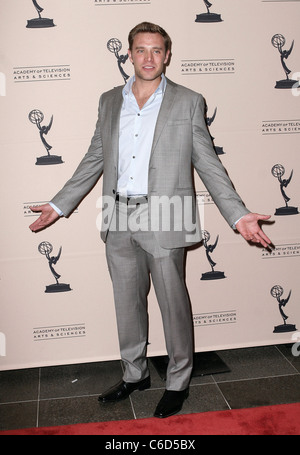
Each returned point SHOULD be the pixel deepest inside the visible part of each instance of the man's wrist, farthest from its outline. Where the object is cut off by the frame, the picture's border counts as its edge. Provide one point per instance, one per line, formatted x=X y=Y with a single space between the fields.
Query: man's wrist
x=234 y=224
x=58 y=211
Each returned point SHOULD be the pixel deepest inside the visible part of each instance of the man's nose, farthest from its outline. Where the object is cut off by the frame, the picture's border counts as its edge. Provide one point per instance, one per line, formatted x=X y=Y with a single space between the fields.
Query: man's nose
x=149 y=56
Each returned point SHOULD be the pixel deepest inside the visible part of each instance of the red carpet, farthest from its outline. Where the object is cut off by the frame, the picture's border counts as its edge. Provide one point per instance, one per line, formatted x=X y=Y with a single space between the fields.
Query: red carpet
x=272 y=420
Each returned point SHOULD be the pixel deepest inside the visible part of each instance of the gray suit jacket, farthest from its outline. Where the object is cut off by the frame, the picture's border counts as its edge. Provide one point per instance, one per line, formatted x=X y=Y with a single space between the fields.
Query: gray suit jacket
x=181 y=142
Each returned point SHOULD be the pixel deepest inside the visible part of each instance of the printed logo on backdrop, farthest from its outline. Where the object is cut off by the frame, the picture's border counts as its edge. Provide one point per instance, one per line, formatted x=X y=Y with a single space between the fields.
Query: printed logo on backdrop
x=59 y=332
x=114 y=45
x=209 y=121
x=220 y=66
x=45 y=248
x=208 y=17
x=204 y=198
x=39 y=22
x=36 y=117
x=287 y=250
x=215 y=318
x=278 y=172
x=45 y=73
x=271 y=127
x=28 y=212
x=277 y=292
x=213 y=274
x=278 y=41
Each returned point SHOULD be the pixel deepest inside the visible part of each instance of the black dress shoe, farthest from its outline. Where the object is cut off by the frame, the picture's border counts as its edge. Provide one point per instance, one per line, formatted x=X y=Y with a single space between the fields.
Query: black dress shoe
x=123 y=389
x=171 y=403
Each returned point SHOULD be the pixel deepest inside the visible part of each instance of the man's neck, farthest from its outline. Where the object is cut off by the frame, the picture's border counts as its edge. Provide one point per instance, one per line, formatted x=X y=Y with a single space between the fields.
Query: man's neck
x=143 y=90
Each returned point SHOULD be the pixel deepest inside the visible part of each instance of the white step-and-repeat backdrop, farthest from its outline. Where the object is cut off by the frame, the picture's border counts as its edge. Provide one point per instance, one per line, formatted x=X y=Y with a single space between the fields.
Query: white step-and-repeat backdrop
x=57 y=57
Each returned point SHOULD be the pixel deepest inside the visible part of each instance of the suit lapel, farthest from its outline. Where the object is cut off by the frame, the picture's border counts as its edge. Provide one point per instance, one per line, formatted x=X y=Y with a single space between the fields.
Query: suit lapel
x=164 y=112
x=163 y=116
x=117 y=101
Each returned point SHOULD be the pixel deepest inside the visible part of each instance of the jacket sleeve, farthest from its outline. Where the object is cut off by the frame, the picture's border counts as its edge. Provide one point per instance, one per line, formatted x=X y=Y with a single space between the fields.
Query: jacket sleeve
x=85 y=176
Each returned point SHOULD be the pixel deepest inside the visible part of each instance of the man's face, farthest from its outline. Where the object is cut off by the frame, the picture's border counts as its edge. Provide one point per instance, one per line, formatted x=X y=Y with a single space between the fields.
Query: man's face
x=148 y=56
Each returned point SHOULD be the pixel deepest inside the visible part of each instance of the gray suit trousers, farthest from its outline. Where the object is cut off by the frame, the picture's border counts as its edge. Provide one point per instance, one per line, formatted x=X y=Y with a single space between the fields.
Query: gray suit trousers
x=133 y=255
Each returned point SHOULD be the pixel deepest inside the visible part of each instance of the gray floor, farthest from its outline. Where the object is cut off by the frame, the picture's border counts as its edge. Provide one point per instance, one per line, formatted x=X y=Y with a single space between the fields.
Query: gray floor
x=65 y=395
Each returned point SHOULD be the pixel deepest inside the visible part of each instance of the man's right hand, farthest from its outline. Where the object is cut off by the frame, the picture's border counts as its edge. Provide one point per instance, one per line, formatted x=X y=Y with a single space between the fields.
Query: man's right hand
x=48 y=216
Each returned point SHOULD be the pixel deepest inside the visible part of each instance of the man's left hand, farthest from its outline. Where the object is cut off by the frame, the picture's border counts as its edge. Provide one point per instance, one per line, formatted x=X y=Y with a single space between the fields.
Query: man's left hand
x=248 y=226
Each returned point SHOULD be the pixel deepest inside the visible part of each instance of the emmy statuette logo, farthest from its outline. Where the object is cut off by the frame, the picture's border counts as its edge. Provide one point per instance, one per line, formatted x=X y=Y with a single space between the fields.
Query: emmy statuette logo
x=277 y=293
x=278 y=42
x=114 y=45
x=45 y=248
x=213 y=274
x=278 y=172
x=36 y=117
x=208 y=17
x=209 y=121
x=39 y=22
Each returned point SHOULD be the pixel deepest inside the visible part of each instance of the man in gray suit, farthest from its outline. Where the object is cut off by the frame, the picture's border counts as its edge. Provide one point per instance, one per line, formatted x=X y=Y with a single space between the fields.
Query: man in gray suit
x=149 y=135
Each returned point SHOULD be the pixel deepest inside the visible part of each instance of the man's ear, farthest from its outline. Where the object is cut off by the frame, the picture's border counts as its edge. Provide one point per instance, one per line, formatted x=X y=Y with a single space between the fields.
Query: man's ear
x=167 y=57
x=130 y=55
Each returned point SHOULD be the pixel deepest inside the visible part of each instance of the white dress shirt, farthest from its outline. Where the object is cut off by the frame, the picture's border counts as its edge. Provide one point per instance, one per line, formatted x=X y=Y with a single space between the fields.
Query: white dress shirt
x=136 y=134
